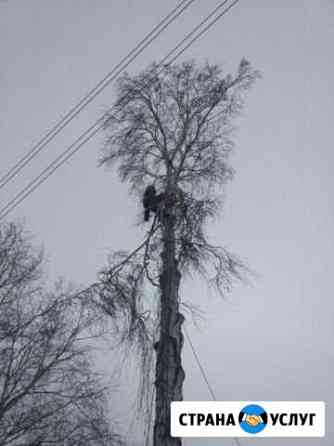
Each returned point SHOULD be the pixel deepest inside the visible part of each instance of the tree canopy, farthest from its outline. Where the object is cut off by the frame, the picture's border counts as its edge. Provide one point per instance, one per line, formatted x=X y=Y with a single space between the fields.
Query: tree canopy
x=49 y=392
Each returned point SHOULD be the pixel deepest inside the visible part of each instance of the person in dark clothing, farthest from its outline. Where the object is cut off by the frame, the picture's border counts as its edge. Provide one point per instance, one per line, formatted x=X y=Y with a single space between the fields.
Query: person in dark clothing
x=151 y=201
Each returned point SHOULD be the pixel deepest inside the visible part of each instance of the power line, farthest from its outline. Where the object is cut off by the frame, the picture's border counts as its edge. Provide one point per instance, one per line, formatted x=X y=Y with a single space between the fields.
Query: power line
x=225 y=11
x=91 y=95
x=203 y=373
x=49 y=170
x=193 y=31
x=86 y=136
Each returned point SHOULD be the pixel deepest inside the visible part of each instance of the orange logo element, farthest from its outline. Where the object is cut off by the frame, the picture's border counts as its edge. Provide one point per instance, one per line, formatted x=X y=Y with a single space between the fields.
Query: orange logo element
x=253 y=420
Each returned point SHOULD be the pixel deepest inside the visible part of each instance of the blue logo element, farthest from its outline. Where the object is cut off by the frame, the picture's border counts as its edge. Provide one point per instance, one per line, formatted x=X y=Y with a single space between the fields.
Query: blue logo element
x=253 y=419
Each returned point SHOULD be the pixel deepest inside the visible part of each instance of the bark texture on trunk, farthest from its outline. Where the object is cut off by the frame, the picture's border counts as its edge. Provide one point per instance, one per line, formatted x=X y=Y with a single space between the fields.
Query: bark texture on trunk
x=169 y=371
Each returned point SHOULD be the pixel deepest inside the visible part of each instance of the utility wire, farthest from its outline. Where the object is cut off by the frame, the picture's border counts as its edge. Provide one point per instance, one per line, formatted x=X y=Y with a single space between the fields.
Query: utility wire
x=86 y=136
x=203 y=373
x=49 y=170
x=207 y=27
x=193 y=32
x=91 y=95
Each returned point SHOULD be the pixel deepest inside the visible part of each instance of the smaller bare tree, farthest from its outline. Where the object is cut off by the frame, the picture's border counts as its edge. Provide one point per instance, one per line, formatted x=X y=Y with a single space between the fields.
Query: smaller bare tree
x=49 y=393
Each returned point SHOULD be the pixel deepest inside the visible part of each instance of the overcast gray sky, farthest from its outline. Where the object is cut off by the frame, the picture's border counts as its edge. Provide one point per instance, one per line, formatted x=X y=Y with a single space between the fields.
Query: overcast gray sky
x=269 y=341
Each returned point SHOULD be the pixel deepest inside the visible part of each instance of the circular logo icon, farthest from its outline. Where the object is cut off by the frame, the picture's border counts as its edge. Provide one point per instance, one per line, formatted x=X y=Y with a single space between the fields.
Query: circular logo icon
x=253 y=419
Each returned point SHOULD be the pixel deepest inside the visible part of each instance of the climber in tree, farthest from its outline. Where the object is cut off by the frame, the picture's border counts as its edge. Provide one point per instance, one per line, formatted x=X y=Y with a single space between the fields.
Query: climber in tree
x=151 y=201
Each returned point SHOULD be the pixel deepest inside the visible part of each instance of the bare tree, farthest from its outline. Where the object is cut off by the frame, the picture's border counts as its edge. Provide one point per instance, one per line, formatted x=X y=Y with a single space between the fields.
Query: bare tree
x=170 y=127
x=49 y=394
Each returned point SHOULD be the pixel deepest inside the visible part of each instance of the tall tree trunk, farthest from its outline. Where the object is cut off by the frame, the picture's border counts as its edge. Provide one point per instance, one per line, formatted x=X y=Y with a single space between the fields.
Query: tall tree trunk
x=169 y=371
